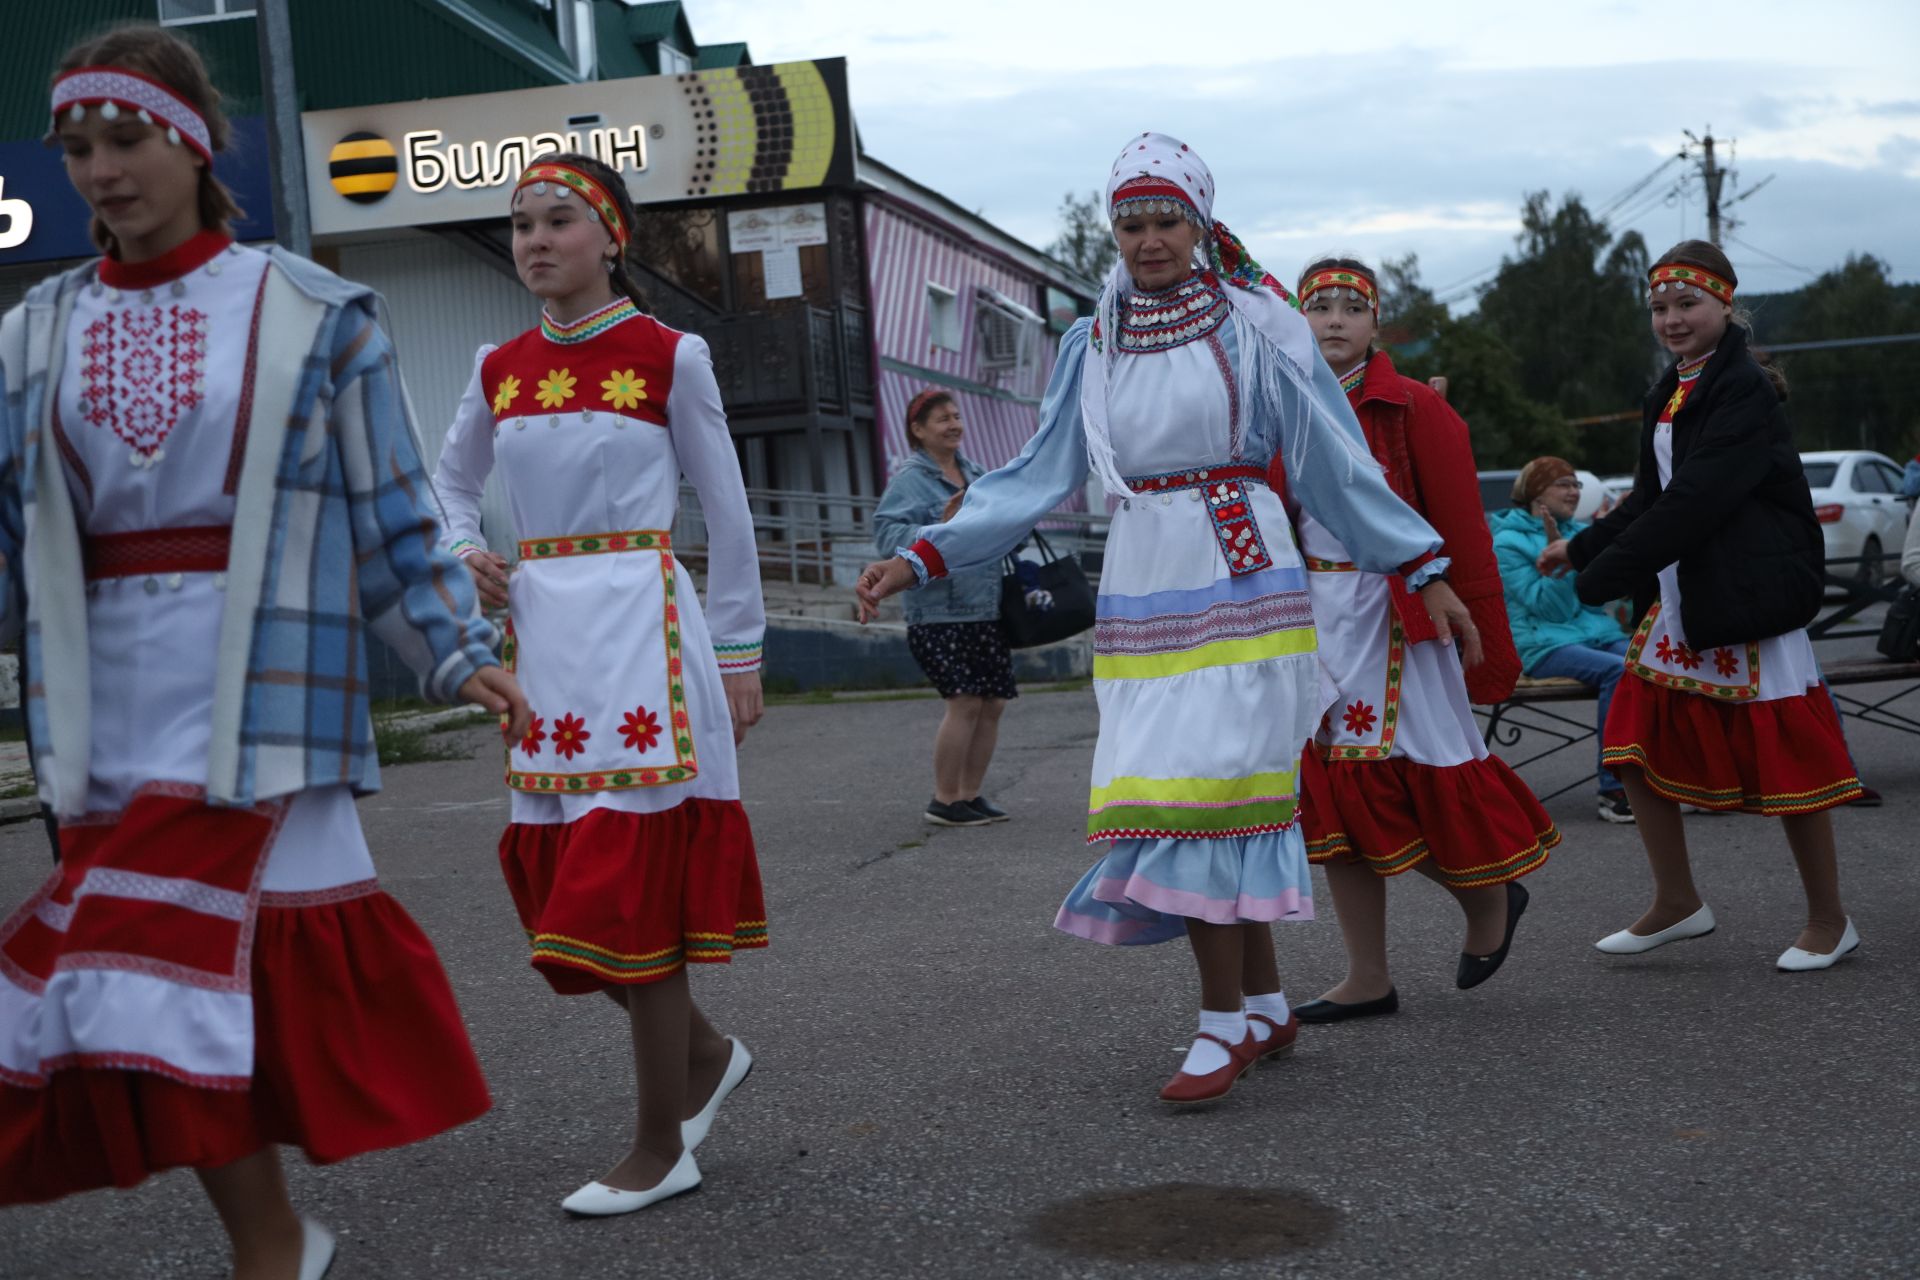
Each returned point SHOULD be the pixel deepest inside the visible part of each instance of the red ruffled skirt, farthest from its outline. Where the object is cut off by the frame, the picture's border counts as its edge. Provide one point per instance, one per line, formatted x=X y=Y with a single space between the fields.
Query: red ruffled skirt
x=616 y=898
x=358 y=1046
x=1778 y=757
x=1477 y=821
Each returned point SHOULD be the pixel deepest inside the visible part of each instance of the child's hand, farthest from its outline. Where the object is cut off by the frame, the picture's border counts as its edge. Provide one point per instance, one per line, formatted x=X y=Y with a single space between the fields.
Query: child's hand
x=495 y=689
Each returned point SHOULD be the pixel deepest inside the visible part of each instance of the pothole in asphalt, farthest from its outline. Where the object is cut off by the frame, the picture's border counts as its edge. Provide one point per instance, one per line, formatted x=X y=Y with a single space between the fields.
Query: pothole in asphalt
x=1186 y=1222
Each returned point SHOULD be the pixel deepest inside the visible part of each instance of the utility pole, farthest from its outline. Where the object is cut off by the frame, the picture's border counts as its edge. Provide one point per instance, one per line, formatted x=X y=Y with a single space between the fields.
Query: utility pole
x=1712 y=179
x=291 y=225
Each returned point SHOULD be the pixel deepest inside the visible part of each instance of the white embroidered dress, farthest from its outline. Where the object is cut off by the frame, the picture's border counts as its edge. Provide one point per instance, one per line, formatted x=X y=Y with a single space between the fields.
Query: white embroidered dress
x=1205 y=665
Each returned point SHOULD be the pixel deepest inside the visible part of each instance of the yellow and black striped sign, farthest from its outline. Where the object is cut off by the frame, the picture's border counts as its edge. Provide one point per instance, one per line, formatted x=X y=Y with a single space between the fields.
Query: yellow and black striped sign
x=363 y=167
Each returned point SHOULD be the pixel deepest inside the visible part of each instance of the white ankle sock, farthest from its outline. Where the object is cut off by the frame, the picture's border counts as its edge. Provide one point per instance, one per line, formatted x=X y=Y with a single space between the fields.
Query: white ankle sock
x=1273 y=1006
x=1205 y=1055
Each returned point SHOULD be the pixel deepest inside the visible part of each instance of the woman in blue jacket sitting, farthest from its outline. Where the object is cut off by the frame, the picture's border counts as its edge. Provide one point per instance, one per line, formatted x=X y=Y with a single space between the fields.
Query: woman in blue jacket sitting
x=1556 y=634
x=953 y=626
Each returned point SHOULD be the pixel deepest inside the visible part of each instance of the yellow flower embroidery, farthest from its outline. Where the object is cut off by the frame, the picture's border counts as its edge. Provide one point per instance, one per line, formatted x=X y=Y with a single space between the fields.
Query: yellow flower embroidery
x=624 y=391
x=503 y=394
x=556 y=388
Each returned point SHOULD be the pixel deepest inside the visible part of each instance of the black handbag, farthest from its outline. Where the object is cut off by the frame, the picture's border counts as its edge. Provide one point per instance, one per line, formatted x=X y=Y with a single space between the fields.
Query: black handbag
x=1070 y=612
x=1900 y=637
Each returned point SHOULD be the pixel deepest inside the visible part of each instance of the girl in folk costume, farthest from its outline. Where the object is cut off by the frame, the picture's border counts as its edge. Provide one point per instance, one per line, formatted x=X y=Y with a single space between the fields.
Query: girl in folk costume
x=1194 y=375
x=628 y=853
x=1721 y=706
x=1397 y=777
x=210 y=480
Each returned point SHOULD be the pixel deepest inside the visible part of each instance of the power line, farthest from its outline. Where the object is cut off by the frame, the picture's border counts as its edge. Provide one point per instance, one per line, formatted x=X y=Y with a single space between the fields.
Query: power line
x=1753 y=248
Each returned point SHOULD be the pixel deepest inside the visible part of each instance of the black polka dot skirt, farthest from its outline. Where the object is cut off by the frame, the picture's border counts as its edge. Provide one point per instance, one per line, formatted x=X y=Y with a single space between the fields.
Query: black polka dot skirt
x=964 y=659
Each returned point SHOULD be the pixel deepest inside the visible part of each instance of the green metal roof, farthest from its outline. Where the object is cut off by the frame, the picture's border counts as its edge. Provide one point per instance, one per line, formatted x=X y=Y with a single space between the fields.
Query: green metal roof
x=347 y=52
x=663 y=21
x=714 y=57
x=353 y=52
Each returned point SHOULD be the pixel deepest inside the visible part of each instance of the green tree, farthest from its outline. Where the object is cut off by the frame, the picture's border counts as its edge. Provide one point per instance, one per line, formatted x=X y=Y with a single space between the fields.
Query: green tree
x=1085 y=242
x=1571 y=306
x=1483 y=376
x=1850 y=397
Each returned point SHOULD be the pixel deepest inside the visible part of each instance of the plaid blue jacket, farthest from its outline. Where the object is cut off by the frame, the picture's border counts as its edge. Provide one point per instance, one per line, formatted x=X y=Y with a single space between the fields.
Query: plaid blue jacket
x=335 y=531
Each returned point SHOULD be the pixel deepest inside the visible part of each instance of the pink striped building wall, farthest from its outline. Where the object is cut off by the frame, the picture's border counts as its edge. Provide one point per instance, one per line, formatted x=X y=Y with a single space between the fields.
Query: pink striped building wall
x=906 y=251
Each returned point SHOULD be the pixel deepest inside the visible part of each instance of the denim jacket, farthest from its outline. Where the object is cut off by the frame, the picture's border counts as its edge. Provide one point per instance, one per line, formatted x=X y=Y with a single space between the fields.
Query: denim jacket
x=915 y=498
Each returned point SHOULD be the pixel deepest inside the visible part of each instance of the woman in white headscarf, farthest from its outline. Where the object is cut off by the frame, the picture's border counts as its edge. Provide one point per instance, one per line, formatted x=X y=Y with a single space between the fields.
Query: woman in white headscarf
x=1195 y=374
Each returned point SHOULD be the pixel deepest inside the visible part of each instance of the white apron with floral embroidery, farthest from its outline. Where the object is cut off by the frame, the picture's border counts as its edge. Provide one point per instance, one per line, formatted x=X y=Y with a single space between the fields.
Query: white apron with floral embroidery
x=1394 y=698
x=600 y=614
x=1758 y=671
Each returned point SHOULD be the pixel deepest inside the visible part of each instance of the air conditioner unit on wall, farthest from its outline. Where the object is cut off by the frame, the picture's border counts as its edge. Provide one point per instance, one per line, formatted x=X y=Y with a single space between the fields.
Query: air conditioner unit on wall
x=1007 y=335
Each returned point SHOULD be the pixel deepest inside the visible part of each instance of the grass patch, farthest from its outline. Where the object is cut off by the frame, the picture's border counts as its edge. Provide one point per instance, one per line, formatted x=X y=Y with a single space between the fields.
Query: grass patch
x=19 y=791
x=402 y=744
x=474 y=720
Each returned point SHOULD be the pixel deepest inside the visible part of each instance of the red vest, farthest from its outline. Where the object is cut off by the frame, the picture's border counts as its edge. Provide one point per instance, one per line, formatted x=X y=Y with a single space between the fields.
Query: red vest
x=1428 y=455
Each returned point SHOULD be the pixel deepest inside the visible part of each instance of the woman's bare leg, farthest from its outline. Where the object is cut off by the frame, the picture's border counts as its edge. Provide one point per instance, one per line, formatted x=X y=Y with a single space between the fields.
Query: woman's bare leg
x=1220 y=951
x=660 y=1013
x=1360 y=901
x=951 y=745
x=1486 y=911
x=1810 y=836
x=1658 y=820
x=986 y=736
x=250 y=1195
x=1259 y=969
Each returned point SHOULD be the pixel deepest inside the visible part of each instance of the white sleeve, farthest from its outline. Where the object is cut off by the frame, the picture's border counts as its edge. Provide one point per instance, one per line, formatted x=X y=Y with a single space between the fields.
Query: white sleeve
x=466 y=460
x=735 y=613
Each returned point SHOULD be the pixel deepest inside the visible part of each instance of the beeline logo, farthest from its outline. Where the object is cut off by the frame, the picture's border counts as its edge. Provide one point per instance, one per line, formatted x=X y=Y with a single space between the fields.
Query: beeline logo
x=16 y=220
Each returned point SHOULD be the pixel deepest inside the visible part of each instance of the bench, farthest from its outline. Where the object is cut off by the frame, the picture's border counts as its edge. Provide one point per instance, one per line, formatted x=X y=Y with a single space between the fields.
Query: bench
x=1527 y=712
x=1530 y=709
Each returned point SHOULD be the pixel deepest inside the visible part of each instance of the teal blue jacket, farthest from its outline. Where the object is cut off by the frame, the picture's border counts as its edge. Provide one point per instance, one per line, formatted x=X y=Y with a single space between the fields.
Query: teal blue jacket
x=1545 y=613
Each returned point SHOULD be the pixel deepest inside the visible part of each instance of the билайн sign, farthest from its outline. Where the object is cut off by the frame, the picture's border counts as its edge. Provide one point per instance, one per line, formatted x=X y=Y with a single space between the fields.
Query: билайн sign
x=734 y=131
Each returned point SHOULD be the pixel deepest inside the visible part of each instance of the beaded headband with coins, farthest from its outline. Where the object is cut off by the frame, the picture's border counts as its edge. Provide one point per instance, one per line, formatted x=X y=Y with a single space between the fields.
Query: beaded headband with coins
x=1345 y=282
x=1676 y=277
x=1141 y=197
x=113 y=90
x=563 y=180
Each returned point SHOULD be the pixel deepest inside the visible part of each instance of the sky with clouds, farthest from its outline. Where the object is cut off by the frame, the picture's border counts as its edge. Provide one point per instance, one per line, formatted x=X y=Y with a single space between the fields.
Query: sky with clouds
x=1394 y=126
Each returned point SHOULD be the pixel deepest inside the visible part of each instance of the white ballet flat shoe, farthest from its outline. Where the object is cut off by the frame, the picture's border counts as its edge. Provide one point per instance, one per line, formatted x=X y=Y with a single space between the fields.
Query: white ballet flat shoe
x=316 y=1250
x=1794 y=960
x=1626 y=943
x=694 y=1132
x=598 y=1200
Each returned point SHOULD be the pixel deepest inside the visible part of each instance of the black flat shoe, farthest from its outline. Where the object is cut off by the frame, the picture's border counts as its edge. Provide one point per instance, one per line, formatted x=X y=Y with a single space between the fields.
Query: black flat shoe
x=1475 y=970
x=1332 y=1011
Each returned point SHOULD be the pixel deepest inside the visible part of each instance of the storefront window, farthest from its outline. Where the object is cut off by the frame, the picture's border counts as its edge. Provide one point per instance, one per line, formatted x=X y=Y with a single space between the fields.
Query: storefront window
x=684 y=246
x=176 y=12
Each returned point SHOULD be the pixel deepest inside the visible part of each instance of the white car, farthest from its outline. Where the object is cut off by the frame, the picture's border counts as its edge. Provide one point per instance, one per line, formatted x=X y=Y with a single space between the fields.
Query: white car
x=1856 y=497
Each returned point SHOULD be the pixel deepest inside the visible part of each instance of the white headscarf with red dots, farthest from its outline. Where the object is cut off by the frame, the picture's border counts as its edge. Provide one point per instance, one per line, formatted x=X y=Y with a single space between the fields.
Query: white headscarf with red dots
x=1155 y=173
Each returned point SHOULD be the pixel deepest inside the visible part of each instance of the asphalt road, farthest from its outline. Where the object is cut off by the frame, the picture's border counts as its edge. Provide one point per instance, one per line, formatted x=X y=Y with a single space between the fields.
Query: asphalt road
x=947 y=1087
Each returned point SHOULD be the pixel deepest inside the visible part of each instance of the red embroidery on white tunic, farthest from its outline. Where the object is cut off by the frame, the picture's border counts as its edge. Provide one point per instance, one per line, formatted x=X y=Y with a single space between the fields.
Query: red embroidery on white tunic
x=144 y=370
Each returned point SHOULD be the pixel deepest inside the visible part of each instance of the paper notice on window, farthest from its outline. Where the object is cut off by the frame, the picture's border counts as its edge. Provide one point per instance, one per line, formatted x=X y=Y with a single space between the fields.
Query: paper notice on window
x=782 y=270
x=752 y=230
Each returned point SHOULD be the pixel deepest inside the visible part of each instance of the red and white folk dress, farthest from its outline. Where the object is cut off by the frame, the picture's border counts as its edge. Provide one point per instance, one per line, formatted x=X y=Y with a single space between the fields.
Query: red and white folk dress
x=193 y=983
x=628 y=853
x=1398 y=772
x=1743 y=727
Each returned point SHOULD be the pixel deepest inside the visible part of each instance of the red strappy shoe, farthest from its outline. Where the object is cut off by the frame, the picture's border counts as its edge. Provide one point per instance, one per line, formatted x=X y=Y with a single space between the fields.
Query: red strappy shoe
x=1214 y=1085
x=1276 y=1044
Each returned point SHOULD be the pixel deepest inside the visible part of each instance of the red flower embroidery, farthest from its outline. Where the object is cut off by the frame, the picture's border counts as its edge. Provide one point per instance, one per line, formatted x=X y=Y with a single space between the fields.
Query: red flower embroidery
x=1664 y=649
x=642 y=729
x=1687 y=658
x=570 y=735
x=536 y=734
x=1359 y=717
x=1724 y=662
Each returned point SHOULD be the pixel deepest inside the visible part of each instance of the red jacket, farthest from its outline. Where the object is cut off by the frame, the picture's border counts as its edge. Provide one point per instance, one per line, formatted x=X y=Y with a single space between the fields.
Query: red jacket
x=1428 y=455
